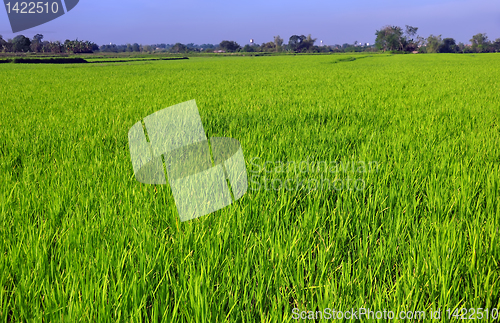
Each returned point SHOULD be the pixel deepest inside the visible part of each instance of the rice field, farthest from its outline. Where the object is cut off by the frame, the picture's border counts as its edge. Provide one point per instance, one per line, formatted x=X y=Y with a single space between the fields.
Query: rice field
x=373 y=183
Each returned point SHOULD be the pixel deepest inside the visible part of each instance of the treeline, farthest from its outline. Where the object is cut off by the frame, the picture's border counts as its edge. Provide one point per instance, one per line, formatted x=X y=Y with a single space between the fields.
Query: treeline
x=174 y=48
x=388 y=38
x=38 y=45
x=296 y=44
x=394 y=38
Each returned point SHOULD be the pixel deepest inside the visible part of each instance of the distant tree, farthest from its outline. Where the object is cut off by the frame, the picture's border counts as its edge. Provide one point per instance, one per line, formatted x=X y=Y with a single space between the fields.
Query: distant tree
x=394 y=38
x=267 y=47
x=248 y=49
x=192 y=47
x=278 y=42
x=136 y=47
x=2 y=43
x=8 y=46
x=460 y=47
x=147 y=48
x=301 y=43
x=496 y=45
x=68 y=46
x=21 y=44
x=324 y=49
x=45 y=47
x=80 y=46
x=160 y=46
x=411 y=31
x=479 y=42
x=433 y=43
x=229 y=46
x=129 y=48
x=56 y=47
x=308 y=44
x=178 y=48
x=38 y=38
x=295 y=41
x=411 y=41
x=389 y=38
x=205 y=46
x=111 y=48
x=420 y=41
x=36 y=43
x=353 y=48
x=448 y=46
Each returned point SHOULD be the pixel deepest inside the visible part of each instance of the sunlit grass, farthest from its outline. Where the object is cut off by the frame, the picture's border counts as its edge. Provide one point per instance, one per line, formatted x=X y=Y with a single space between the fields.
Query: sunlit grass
x=82 y=240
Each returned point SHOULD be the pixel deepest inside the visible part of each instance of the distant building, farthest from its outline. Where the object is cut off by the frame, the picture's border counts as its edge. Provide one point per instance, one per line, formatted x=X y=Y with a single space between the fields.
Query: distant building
x=219 y=51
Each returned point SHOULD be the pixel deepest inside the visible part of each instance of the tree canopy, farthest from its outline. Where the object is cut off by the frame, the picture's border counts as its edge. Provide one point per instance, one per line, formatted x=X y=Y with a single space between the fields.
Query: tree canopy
x=433 y=43
x=393 y=38
x=301 y=43
x=229 y=46
x=21 y=44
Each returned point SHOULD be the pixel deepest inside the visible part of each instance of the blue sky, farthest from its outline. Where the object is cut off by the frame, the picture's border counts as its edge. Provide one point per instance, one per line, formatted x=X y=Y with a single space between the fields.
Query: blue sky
x=195 y=21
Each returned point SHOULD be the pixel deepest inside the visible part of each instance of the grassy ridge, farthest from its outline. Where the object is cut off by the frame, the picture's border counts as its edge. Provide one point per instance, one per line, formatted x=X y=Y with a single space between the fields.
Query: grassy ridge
x=82 y=240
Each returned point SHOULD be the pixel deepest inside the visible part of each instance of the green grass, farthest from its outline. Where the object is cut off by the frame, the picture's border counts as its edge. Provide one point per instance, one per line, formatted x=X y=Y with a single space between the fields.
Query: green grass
x=82 y=240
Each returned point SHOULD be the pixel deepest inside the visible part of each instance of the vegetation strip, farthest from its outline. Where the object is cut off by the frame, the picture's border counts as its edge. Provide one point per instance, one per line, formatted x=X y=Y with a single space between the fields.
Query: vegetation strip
x=78 y=60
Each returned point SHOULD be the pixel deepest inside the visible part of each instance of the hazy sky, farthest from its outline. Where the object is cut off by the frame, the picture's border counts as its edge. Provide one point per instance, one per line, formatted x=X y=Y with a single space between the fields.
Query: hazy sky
x=196 y=21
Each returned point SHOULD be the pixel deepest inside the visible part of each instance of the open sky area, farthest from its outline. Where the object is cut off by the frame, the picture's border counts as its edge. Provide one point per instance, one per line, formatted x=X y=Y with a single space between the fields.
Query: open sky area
x=196 y=21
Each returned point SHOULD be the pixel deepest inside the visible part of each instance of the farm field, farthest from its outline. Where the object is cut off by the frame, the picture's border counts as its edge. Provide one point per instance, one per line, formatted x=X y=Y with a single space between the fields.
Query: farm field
x=409 y=146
